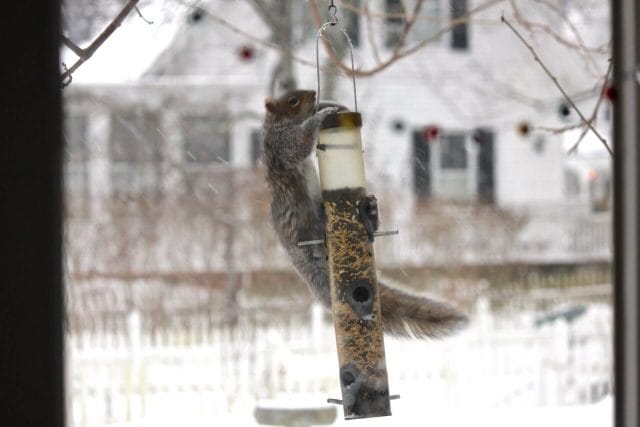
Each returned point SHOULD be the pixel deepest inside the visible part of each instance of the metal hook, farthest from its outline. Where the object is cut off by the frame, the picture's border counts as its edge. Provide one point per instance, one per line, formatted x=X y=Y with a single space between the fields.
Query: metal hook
x=333 y=10
x=353 y=70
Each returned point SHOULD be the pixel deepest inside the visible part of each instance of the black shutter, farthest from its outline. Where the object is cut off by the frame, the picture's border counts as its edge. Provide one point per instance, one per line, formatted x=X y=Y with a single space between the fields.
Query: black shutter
x=421 y=165
x=459 y=33
x=486 y=175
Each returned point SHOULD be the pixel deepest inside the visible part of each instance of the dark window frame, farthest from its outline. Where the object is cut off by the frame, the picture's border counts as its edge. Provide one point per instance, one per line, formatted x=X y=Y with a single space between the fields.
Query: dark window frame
x=31 y=359
x=626 y=212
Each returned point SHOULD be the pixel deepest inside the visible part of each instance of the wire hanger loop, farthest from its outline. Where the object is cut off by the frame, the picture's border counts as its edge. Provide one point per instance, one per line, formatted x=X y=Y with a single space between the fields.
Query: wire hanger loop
x=333 y=22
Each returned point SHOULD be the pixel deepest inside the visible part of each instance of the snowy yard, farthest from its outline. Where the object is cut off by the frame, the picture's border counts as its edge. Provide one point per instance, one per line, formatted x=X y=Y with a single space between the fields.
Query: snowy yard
x=556 y=374
x=409 y=413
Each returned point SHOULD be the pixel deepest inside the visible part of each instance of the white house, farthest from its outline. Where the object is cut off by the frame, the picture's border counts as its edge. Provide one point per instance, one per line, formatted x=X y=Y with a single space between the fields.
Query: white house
x=478 y=85
x=175 y=108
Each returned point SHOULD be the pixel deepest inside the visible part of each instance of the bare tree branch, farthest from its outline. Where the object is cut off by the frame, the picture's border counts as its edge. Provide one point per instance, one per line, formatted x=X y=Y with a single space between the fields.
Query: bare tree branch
x=264 y=11
x=409 y=20
x=257 y=40
x=557 y=84
x=594 y=115
x=142 y=16
x=372 y=40
x=400 y=53
x=85 y=54
x=71 y=45
x=579 y=45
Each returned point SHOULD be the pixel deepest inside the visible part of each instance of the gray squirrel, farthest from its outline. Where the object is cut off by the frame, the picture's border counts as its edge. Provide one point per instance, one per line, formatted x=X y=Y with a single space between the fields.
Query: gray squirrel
x=290 y=132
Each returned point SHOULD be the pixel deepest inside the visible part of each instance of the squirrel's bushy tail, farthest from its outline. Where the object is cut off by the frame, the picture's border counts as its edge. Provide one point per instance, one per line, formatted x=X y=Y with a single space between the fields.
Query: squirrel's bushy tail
x=405 y=314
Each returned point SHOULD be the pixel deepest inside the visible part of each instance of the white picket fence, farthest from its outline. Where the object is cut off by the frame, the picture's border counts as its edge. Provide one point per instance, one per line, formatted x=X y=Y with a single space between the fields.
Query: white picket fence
x=126 y=376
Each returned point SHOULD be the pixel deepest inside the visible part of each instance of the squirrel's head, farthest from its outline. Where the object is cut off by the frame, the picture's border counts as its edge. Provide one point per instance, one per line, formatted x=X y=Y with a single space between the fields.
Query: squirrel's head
x=294 y=106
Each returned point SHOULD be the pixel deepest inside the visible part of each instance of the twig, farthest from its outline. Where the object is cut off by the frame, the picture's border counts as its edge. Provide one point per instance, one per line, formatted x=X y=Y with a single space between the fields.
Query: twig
x=69 y=79
x=370 y=33
x=71 y=45
x=398 y=53
x=575 y=146
x=257 y=40
x=548 y=30
x=141 y=16
x=555 y=81
x=409 y=21
x=85 y=54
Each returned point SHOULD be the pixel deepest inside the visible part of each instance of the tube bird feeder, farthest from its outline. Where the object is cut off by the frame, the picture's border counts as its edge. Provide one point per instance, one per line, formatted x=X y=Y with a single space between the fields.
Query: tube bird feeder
x=355 y=299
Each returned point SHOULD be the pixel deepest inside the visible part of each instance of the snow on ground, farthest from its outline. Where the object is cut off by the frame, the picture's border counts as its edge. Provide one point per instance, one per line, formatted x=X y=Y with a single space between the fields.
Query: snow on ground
x=408 y=412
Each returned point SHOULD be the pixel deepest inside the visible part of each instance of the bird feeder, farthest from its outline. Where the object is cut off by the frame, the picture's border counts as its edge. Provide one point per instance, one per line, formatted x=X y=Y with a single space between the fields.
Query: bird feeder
x=355 y=300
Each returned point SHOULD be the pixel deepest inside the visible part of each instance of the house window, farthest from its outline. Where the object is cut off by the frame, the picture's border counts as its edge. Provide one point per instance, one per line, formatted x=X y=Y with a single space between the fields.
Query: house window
x=134 y=153
x=394 y=22
x=205 y=139
x=76 y=155
x=427 y=24
x=303 y=25
x=453 y=180
x=457 y=166
x=453 y=154
x=459 y=33
x=134 y=138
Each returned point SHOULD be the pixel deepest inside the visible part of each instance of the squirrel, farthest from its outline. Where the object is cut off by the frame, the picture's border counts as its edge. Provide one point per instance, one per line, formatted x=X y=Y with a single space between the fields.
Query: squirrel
x=290 y=133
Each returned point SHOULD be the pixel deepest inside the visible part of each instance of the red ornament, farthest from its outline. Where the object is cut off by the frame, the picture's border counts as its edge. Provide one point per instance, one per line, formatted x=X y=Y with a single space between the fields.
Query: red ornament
x=246 y=53
x=430 y=133
x=610 y=92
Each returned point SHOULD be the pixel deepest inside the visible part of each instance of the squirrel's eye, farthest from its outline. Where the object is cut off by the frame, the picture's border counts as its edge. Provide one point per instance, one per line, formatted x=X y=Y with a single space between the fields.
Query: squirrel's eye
x=294 y=101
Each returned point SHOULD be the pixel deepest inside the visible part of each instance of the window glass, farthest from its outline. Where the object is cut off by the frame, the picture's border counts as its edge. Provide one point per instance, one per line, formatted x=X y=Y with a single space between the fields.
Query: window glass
x=453 y=153
x=134 y=150
x=394 y=21
x=429 y=20
x=427 y=24
x=184 y=306
x=205 y=139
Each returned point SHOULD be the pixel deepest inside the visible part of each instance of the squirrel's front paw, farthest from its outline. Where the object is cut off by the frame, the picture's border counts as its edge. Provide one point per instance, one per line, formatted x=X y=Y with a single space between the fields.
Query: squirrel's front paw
x=322 y=114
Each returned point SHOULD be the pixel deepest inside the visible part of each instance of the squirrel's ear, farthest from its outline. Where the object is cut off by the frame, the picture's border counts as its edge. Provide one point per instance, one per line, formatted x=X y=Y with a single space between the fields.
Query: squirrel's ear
x=270 y=105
